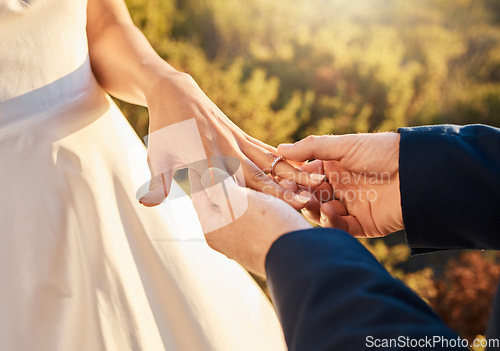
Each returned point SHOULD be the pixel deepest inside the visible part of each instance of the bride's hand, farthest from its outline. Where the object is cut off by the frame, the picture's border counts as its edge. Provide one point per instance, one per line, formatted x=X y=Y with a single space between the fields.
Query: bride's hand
x=186 y=127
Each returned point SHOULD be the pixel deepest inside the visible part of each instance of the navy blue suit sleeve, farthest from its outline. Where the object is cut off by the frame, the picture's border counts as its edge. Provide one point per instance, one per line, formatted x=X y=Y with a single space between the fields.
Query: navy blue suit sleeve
x=450 y=187
x=330 y=293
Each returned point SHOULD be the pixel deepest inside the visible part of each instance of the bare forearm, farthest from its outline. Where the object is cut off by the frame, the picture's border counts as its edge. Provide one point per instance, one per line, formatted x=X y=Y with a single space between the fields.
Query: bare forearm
x=126 y=65
x=122 y=59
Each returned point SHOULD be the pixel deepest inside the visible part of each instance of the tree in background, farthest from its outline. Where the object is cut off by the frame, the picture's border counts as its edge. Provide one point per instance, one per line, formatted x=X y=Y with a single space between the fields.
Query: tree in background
x=333 y=66
x=463 y=298
x=462 y=294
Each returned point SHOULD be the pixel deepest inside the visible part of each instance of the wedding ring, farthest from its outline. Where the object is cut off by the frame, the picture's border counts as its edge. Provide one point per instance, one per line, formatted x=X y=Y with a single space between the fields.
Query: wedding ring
x=275 y=162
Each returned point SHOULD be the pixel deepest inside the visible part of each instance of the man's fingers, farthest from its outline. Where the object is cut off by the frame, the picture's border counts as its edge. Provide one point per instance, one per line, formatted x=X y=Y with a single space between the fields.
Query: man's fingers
x=331 y=216
x=354 y=227
x=285 y=170
x=324 y=147
x=311 y=211
x=315 y=166
x=335 y=215
x=265 y=159
x=334 y=206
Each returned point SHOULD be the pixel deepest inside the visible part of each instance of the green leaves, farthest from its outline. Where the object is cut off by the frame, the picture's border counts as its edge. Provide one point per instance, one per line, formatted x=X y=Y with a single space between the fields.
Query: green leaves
x=332 y=66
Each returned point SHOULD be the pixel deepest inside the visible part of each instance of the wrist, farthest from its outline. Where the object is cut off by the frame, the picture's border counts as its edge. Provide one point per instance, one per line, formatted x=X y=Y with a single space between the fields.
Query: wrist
x=157 y=76
x=170 y=94
x=161 y=78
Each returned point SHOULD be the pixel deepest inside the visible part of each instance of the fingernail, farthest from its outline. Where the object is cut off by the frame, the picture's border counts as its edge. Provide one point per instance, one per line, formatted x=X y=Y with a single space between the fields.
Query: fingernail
x=302 y=199
x=149 y=199
x=143 y=200
x=323 y=216
x=286 y=145
x=317 y=177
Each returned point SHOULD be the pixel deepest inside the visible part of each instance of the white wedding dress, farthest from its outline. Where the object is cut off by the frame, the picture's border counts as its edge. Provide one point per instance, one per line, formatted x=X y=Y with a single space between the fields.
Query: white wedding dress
x=84 y=266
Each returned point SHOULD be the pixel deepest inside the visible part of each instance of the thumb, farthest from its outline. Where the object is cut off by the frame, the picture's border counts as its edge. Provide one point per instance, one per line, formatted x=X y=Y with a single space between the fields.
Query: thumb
x=159 y=188
x=324 y=147
x=169 y=148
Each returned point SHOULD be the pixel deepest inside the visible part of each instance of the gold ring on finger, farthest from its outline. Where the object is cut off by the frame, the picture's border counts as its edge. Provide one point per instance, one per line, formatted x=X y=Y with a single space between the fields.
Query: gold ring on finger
x=277 y=160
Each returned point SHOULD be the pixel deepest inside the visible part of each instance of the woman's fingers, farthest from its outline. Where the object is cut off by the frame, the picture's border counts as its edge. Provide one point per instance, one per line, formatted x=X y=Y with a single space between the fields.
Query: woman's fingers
x=264 y=160
x=315 y=166
x=324 y=192
x=159 y=188
x=256 y=179
x=286 y=171
x=269 y=148
x=261 y=144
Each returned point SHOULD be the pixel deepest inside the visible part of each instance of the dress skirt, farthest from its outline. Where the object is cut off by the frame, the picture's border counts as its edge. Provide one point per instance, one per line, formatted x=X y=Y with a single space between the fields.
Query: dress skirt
x=84 y=266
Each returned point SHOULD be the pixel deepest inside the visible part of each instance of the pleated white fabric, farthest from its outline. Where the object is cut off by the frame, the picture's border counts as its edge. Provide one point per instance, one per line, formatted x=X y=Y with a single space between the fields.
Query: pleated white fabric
x=84 y=266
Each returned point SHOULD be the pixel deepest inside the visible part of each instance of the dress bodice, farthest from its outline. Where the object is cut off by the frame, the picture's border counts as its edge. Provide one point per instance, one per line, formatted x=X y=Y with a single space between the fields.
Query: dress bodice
x=42 y=42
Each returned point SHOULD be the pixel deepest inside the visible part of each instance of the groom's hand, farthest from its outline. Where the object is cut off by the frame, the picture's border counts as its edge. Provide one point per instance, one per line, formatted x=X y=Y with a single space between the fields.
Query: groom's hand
x=247 y=238
x=363 y=170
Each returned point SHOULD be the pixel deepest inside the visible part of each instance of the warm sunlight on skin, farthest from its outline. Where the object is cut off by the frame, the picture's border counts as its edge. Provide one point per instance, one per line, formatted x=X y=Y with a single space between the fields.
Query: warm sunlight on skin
x=283 y=72
x=154 y=153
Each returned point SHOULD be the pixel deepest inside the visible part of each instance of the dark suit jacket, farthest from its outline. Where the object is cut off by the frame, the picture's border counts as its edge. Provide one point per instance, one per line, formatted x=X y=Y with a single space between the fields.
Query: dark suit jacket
x=330 y=293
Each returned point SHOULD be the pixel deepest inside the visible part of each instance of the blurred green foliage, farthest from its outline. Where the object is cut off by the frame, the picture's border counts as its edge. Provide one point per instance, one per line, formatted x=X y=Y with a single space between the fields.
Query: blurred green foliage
x=282 y=70
x=460 y=290
x=285 y=69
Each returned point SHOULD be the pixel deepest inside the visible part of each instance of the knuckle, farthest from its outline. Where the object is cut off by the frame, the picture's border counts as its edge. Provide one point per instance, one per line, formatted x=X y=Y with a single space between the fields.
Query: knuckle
x=300 y=176
x=271 y=157
x=258 y=176
x=311 y=139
